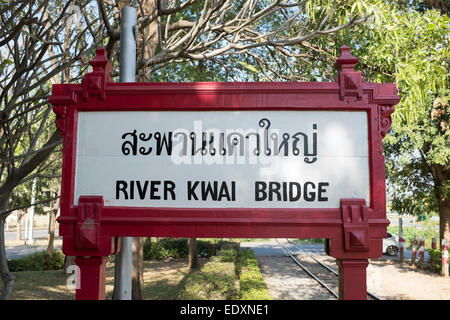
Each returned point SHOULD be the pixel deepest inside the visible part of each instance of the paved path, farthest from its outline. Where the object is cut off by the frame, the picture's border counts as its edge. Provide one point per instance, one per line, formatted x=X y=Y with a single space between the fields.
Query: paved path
x=284 y=279
x=37 y=234
x=24 y=250
x=17 y=251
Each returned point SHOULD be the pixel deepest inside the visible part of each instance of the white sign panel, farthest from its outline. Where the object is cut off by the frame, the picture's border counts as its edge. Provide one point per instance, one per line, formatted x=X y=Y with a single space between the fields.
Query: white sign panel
x=223 y=159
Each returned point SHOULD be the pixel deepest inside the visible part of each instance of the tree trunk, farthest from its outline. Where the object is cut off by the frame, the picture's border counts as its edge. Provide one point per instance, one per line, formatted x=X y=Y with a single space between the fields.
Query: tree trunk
x=441 y=176
x=444 y=220
x=193 y=254
x=213 y=249
x=52 y=225
x=7 y=277
x=115 y=294
x=137 y=275
x=51 y=231
x=68 y=261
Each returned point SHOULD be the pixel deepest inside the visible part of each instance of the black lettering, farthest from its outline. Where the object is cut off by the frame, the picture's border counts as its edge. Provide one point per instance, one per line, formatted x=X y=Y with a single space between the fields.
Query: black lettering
x=285 y=191
x=224 y=192
x=322 y=190
x=309 y=196
x=208 y=189
x=274 y=187
x=132 y=190
x=153 y=189
x=191 y=190
x=233 y=191
x=169 y=186
x=142 y=189
x=294 y=195
x=260 y=187
x=163 y=142
x=121 y=186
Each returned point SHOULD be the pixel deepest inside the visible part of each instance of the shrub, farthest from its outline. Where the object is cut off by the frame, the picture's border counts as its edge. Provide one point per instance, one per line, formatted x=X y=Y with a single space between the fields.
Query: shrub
x=166 y=248
x=40 y=261
x=435 y=260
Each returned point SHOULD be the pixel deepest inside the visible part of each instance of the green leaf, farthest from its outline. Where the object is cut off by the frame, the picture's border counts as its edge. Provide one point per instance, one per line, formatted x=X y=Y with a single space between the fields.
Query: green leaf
x=248 y=66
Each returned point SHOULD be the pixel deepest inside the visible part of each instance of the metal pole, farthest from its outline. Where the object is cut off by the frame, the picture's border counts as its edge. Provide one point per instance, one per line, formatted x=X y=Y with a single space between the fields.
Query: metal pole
x=400 y=238
x=32 y=210
x=127 y=74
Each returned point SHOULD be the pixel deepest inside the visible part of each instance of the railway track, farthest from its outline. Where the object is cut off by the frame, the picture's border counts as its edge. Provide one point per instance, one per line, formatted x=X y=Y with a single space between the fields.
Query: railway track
x=328 y=280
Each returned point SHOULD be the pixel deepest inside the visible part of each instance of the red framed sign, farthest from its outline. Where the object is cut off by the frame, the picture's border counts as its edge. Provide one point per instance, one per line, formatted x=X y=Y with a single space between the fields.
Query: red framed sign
x=233 y=160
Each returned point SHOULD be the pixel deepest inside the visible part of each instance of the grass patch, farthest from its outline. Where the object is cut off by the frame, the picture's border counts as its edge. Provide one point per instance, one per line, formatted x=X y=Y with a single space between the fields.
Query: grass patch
x=162 y=281
x=231 y=275
x=41 y=285
x=216 y=280
x=251 y=282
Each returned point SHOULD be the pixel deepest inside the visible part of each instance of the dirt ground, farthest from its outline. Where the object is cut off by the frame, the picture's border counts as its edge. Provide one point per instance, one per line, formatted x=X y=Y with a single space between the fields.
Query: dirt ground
x=386 y=279
x=403 y=282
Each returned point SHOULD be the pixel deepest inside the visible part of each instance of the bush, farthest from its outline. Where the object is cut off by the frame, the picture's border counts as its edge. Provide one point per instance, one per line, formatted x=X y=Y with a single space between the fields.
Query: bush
x=166 y=248
x=40 y=261
x=228 y=255
x=436 y=260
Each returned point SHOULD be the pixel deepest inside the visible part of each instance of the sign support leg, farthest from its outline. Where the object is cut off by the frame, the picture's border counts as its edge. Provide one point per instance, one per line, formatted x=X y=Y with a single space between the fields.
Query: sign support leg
x=91 y=278
x=352 y=279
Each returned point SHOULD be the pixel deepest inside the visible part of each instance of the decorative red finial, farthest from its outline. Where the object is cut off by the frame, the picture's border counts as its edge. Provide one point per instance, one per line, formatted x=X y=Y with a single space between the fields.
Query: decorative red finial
x=346 y=60
x=101 y=63
x=350 y=81
x=94 y=82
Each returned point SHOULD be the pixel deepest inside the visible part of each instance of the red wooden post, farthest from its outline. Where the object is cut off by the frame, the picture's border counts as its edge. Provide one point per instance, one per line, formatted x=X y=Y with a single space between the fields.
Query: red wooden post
x=433 y=243
x=421 y=251
x=414 y=250
x=91 y=283
x=352 y=279
x=402 y=248
x=444 y=261
x=434 y=247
